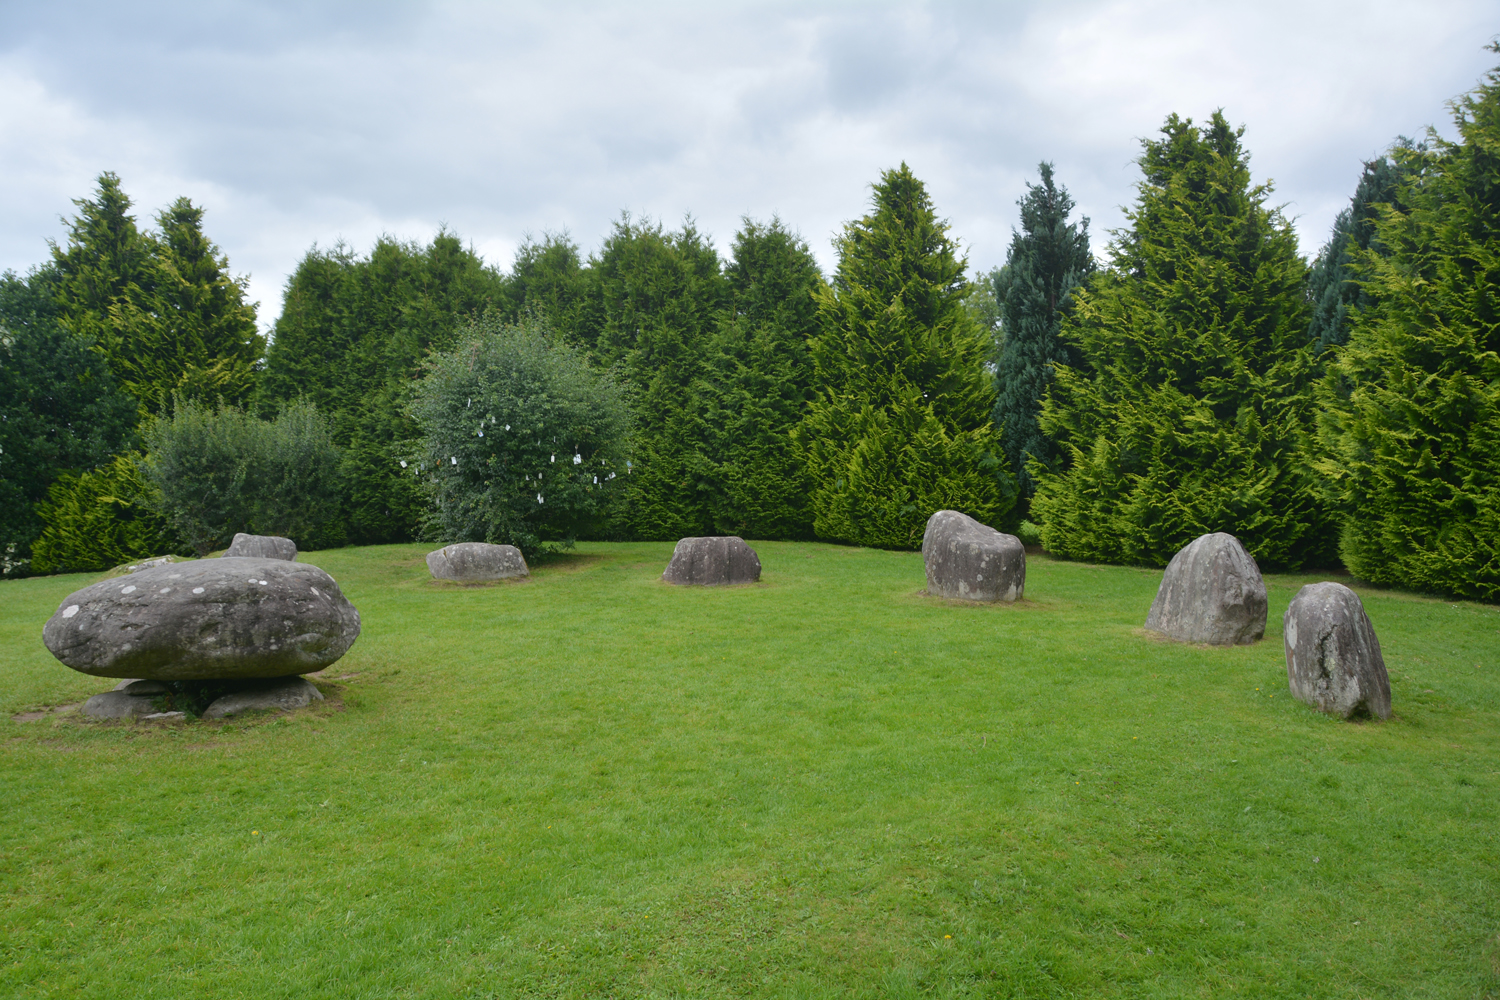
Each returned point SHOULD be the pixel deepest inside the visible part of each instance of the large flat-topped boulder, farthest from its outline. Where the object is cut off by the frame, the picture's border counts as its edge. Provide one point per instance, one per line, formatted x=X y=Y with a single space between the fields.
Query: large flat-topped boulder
x=1333 y=659
x=474 y=562
x=970 y=561
x=712 y=560
x=1211 y=592
x=262 y=547
x=212 y=619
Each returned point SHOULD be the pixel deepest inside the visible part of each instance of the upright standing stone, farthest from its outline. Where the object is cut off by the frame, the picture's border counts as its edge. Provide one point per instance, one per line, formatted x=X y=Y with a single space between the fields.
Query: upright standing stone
x=713 y=560
x=211 y=619
x=970 y=561
x=476 y=562
x=1212 y=592
x=262 y=547
x=1333 y=659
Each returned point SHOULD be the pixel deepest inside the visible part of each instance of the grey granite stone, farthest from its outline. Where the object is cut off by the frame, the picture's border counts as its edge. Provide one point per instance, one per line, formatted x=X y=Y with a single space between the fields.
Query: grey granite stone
x=281 y=694
x=1333 y=659
x=262 y=547
x=712 y=560
x=476 y=562
x=211 y=619
x=970 y=561
x=1211 y=592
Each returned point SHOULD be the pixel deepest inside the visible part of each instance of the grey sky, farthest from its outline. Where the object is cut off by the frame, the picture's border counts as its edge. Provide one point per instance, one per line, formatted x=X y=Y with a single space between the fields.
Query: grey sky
x=298 y=123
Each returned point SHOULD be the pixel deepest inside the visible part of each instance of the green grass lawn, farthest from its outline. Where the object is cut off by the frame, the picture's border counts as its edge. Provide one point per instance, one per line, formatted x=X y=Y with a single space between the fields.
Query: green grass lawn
x=828 y=784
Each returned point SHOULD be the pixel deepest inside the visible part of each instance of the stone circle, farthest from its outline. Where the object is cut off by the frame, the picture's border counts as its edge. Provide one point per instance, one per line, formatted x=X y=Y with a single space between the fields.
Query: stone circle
x=262 y=547
x=476 y=562
x=970 y=561
x=1333 y=660
x=211 y=619
x=712 y=561
x=1211 y=592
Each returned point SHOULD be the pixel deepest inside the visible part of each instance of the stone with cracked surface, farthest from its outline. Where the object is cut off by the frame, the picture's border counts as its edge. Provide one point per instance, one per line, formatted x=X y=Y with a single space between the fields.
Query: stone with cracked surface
x=1212 y=593
x=1333 y=660
x=970 y=561
x=281 y=694
x=262 y=547
x=477 y=562
x=712 y=561
x=211 y=619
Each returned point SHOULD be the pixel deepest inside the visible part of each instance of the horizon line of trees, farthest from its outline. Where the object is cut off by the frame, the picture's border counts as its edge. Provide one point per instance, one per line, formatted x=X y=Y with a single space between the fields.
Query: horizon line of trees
x=1201 y=376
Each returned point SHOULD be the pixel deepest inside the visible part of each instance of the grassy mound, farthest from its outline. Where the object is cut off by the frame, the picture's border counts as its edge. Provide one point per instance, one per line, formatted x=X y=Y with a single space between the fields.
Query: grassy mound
x=827 y=784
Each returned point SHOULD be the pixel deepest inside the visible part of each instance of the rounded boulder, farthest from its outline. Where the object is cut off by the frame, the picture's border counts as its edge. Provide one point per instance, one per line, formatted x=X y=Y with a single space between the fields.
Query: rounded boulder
x=712 y=561
x=212 y=619
x=476 y=562
x=1333 y=660
x=261 y=547
x=970 y=561
x=1211 y=592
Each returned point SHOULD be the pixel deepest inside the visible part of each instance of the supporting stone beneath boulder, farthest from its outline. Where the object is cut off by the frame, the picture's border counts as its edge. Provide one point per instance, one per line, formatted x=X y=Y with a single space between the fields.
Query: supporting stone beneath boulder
x=1333 y=660
x=1211 y=592
x=284 y=694
x=262 y=547
x=113 y=705
x=477 y=562
x=970 y=561
x=712 y=561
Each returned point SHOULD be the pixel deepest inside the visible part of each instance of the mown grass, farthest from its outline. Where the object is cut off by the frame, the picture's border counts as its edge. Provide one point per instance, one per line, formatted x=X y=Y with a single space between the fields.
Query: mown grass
x=593 y=784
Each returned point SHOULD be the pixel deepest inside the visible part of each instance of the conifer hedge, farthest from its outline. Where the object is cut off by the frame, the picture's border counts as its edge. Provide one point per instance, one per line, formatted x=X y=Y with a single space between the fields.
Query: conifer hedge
x=898 y=426
x=1192 y=393
x=1411 y=428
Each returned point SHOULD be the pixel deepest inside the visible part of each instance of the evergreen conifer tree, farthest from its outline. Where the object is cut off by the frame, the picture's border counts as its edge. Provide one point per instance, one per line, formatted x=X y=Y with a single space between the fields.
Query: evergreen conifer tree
x=351 y=338
x=899 y=423
x=60 y=409
x=1411 y=425
x=1185 y=413
x=757 y=384
x=656 y=302
x=1335 y=285
x=1048 y=258
x=206 y=344
x=162 y=309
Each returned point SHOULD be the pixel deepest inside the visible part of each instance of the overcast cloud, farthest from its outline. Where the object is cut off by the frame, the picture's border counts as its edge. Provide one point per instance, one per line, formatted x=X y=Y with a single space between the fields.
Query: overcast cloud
x=296 y=124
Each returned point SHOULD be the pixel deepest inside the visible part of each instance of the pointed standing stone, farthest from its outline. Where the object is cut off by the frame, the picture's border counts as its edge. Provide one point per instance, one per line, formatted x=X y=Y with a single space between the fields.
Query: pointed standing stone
x=1333 y=660
x=1211 y=592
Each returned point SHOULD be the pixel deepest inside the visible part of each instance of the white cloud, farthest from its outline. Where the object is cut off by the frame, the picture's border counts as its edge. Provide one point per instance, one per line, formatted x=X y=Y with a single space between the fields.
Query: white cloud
x=297 y=124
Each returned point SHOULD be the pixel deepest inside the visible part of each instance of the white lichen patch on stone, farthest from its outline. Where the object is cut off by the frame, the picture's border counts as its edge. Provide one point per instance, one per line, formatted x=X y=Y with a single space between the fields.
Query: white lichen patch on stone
x=70 y=611
x=197 y=590
x=165 y=590
x=127 y=590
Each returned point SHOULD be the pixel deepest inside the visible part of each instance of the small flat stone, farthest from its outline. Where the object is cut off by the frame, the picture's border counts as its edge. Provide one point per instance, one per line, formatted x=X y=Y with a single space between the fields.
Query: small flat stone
x=262 y=547
x=118 y=705
x=284 y=694
x=142 y=687
x=477 y=562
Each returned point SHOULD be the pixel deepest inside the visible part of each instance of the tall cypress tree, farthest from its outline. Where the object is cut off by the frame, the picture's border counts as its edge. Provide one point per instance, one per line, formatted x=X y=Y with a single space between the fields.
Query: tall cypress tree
x=1411 y=421
x=1185 y=414
x=163 y=309
x=206 y=345
x=352 y=335
x=1048 y=258
x=757 y=384
x=60 y=409
x=106 y=282
x=899 y=423
x=655 y=302
x=1336 y=283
